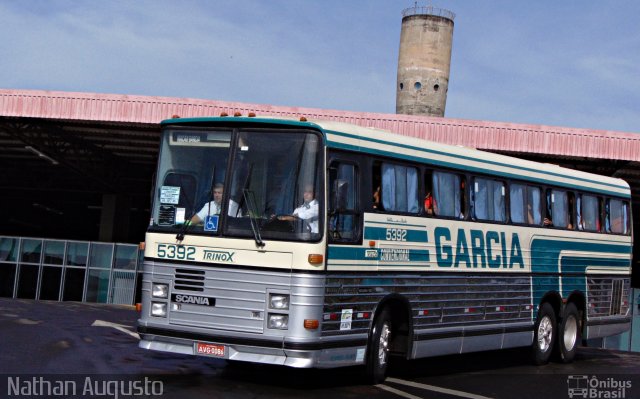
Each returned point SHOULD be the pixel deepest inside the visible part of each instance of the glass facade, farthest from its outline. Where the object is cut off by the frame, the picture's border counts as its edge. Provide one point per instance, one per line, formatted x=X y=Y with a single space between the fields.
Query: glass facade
x=58 y=270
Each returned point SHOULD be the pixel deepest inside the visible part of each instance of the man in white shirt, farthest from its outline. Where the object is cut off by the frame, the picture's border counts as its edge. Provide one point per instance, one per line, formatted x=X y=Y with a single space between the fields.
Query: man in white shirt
x=212 y=207
x=308 y=211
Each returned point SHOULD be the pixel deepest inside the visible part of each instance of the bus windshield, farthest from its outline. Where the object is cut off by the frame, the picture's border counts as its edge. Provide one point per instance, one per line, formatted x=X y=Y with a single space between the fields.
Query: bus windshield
x=271 y=191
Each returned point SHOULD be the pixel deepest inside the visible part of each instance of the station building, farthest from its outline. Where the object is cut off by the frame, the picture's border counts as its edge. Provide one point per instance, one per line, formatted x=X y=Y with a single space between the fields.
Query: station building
x=76 y=171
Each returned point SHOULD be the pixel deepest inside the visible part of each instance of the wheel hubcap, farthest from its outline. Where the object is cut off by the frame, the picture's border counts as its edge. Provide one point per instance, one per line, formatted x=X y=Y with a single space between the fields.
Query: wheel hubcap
x=570 y=333
x=545 y=332
x=383 y=348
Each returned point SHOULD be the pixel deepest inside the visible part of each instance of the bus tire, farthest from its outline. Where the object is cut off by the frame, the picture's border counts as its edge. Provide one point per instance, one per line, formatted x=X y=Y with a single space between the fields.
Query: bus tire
x=544 y=335
x=568 y=334
x=378 y=348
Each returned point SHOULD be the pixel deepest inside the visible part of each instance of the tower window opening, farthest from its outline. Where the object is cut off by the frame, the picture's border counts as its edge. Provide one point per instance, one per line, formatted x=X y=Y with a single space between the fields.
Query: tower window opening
x=436 y=87
x=401 y=86
x=417 y=85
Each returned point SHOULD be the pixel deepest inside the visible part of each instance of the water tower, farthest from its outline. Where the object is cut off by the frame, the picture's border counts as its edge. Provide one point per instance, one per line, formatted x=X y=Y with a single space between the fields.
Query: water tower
x=424 y=61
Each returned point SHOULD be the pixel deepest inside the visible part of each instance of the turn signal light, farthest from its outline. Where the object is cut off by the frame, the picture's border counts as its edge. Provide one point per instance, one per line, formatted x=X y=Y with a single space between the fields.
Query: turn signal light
x=303 y=119
x=223 y=114
x=237 y=114
x=315 y=259
x=175 y=116
x=311 y=324
x=252 y=114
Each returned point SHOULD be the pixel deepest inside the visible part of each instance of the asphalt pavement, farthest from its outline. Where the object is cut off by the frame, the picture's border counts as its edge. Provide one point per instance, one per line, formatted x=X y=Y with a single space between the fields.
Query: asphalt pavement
x=68 y=349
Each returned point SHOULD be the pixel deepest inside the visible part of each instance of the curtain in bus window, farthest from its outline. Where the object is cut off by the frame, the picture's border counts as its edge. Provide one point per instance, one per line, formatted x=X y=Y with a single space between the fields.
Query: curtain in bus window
x=534 y=215
x=498 y=201
x=588 y=208
x=399 y=188
x=489 y=200
x=517 y=203
x=617 y=217
x=559 y=208
x=481 y=200
x=446 y=192
x=580 y=222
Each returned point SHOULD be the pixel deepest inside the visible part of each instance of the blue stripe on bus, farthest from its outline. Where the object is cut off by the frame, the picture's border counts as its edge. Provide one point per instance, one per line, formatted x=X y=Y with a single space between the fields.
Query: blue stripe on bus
x=545 y=260
x=545 y=253
x=478 y=169
x=337 y=254
x=380 y=233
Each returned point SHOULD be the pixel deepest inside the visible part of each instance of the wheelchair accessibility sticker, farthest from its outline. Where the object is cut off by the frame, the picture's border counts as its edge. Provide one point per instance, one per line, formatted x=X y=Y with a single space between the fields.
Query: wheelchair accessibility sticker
x=211 y=223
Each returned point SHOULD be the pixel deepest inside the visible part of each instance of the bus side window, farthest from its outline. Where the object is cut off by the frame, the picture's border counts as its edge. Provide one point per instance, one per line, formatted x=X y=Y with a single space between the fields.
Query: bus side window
x=588 y=213
x=525 y=204
x=517 y=203
x=557 y=209
x=344 y=214
x=488 y=199
x=399 y=188
x=448 y=189
x=617 y=216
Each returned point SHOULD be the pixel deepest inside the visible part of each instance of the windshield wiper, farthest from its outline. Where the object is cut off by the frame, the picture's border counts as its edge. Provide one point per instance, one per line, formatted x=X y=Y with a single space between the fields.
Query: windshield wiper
x=251 y=204
x=183 y=230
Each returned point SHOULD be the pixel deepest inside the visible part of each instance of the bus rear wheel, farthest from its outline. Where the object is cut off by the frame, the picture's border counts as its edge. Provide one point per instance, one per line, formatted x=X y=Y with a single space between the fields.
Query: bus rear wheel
x=568 y=334
x=378 y=348
x=545 y=331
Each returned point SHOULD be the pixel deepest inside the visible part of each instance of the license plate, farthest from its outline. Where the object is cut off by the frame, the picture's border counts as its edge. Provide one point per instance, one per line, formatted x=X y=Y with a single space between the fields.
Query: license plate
x=210 y=349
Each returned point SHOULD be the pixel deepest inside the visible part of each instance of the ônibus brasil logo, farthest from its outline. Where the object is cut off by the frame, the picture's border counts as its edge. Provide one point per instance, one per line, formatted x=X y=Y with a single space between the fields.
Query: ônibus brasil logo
x=592 y=387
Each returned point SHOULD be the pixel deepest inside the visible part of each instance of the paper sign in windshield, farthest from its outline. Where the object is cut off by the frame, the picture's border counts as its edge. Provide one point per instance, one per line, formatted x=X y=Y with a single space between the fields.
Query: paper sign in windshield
x=169 y=195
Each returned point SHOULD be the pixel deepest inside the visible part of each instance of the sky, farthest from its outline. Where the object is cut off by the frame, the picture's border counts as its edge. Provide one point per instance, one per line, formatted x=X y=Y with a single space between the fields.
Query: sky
x=571 y=63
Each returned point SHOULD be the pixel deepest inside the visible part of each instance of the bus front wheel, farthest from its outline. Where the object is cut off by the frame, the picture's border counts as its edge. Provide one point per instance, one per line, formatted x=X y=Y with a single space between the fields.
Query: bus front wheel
x=568 y=334
x=378 y=348
x=545 y=331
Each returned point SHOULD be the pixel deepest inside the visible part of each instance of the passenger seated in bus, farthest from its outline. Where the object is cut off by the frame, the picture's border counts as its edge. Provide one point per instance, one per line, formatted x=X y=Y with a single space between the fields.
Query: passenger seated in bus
x=376 y=198
x=308 y=211
x=430 y=205
x=214 y=207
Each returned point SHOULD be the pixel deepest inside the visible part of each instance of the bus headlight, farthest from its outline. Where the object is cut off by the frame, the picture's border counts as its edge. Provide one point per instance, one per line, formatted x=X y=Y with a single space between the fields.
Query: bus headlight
x=279 y=301
x=160 y=291
x=278 y=321
x=158 y=309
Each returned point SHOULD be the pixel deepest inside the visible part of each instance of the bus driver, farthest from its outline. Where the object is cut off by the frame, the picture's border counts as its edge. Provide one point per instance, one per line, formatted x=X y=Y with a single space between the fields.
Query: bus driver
x=214 y=207
x=308 y=211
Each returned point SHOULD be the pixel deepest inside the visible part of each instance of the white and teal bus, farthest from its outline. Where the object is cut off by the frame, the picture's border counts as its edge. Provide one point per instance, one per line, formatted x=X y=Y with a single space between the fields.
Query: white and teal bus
x=323 y=244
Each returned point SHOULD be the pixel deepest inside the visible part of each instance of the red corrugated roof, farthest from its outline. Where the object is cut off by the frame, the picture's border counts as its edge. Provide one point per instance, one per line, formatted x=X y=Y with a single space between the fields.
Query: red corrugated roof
x=479 y=134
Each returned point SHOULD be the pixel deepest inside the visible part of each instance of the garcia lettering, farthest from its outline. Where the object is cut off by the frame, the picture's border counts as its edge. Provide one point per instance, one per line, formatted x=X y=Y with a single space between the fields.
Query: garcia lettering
x=477 y=249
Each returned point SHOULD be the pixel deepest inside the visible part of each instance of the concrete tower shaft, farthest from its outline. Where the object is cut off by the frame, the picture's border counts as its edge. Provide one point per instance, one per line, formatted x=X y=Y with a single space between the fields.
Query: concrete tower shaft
x=424 y=61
